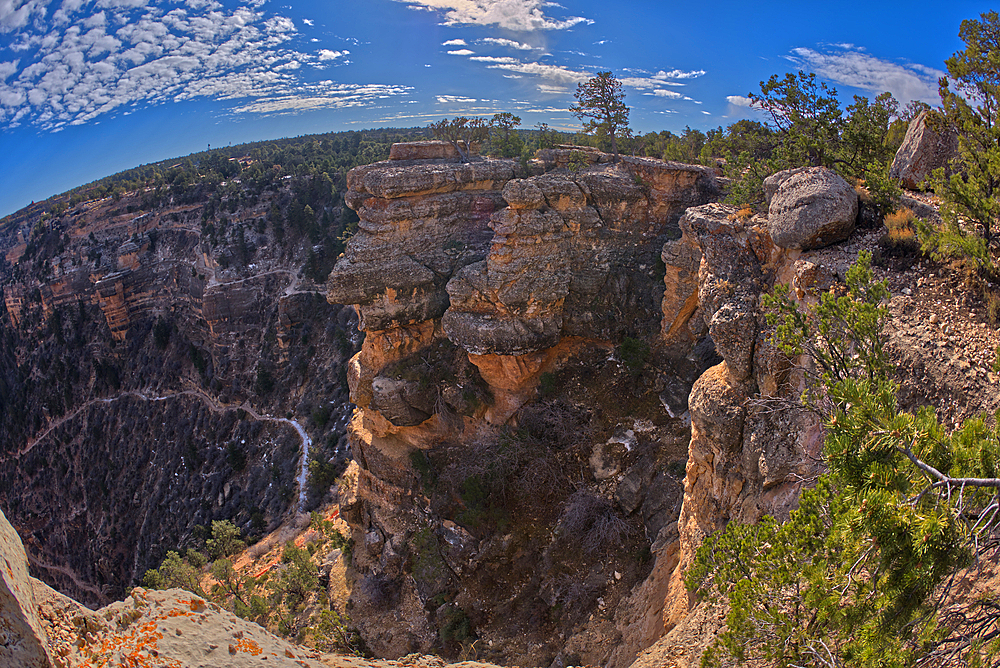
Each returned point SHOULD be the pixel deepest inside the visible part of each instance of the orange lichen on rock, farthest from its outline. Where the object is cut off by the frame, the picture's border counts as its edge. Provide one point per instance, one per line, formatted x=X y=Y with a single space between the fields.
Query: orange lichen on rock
x=248 y=646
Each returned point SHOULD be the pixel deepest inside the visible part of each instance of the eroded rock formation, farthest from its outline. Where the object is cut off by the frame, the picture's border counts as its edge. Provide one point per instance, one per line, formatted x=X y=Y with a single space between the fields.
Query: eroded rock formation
x=473 y=287
x=924 y=149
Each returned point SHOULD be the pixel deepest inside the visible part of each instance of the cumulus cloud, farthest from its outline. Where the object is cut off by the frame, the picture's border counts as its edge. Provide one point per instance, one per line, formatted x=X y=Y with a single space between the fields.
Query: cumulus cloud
x=7 y=69
x=739 y=100
x=461 y=52
x=90 y=59
x=327 y=54
x=852 y=67
x=516 y=15
x=454 y=42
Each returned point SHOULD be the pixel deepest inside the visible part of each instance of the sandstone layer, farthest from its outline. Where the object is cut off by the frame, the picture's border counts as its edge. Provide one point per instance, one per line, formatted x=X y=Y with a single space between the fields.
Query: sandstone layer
x=474 y=288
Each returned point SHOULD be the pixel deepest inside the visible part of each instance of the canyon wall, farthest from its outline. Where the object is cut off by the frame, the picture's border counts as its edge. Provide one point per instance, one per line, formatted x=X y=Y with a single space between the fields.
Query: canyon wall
x=515 y=433
x=147 y=390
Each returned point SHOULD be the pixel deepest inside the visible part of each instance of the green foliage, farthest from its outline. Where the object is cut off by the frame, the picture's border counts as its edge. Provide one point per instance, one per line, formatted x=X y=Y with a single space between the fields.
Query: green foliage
x=970 y=100
x=161 y=333
x=462 y=133
x=843 y=335
x=866 y=137
x=806 y=114
x=428 y=564
x=633 y=353
x=505 y=141
x=883 y=192
x=455 y=626
x=600 y=102
x=176 y=572
x=225 y=541
x=264 y=382
x=298 y=578
x=332 y=632
x=547 y=385
x=860 y=572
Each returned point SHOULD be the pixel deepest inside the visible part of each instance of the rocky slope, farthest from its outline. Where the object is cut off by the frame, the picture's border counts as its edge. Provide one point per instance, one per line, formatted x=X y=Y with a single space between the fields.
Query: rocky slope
x=164 y=363
x=536 y=416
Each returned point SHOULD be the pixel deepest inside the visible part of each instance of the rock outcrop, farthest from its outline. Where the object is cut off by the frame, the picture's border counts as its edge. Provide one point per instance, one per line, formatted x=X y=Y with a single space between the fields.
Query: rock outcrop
x=472 y=286
x=41 y=628
x=745 y=458
x=809 y=207
x=23 y=641
x=925 y=148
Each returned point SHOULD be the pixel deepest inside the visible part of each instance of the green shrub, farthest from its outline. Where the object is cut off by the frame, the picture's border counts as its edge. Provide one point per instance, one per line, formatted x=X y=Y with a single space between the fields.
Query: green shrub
x=633 y=354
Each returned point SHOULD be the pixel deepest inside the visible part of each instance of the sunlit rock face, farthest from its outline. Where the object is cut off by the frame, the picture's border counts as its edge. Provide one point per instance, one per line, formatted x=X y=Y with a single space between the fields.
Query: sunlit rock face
x=474 y=283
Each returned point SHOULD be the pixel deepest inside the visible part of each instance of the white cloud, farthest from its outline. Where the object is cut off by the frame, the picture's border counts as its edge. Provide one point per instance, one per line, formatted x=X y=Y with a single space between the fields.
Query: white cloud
x=454 y=42
x=127 y=54
x=454 y=99
x=15 y=14
x=516 y=15
x=308 y=22
x=739 y=100
x=7 y=69
x=552 y=90
x=853 y=68
x=325 y=95
x=509 y=43
x=461 y=52
x=327 y=54
x=678 y=74
x=671 y=94
x=495 y=59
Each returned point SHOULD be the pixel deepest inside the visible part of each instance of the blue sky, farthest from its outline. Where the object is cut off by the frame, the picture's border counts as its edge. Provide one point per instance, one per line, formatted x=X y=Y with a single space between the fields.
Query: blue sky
x=91 y=87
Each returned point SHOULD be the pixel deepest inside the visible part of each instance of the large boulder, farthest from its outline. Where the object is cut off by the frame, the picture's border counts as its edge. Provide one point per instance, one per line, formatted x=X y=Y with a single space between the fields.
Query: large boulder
x=811 y=208
x=22 y=636
x=924 y=149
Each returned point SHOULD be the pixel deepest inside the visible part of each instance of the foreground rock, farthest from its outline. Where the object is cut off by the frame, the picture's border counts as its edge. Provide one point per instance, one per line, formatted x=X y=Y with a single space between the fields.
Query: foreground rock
x=22 y=637
x=809 y=207
x=41 y=628
x=924 y=149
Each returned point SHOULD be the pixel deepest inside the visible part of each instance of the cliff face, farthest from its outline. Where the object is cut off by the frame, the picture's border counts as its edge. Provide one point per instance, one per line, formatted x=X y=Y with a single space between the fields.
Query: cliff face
x=516 y=458
x=156 y=360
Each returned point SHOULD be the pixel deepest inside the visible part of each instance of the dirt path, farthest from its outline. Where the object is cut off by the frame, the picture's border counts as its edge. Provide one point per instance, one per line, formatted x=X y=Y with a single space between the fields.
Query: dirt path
x=213 y=404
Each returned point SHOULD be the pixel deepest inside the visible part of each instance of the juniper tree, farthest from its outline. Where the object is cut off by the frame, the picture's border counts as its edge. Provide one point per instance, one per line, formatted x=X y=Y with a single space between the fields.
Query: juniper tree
x=601 y=102
x=970 y=100
x=861 y=573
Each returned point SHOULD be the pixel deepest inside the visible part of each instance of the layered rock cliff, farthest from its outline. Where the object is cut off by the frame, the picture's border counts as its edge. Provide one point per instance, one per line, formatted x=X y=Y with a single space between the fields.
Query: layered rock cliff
x=517 y=455
x=160 y=366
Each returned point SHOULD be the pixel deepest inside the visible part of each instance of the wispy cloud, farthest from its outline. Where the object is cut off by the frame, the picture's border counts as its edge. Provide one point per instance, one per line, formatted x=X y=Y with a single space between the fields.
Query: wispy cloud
x=509 y=43
x=852 y=67
x=454 y=42
x=455 y=99
x=739 y=100
x=324 y=95
x=516 y=15
x=461 y=52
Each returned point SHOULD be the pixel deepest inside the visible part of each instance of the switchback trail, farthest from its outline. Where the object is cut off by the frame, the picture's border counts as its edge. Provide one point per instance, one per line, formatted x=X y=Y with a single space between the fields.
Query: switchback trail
x=214 y=405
